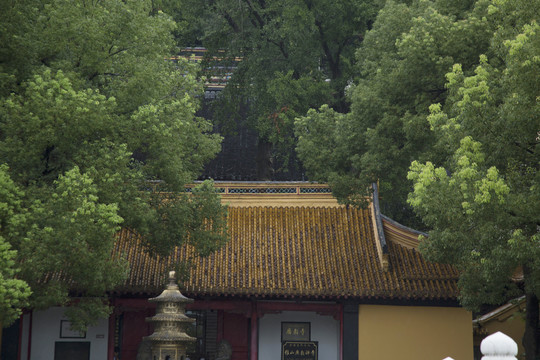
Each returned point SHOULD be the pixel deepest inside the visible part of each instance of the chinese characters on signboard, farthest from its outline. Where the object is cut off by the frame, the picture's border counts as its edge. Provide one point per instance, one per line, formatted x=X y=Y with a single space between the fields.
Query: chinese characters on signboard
x=295 y=331
x=299 y=350
x=296 y=342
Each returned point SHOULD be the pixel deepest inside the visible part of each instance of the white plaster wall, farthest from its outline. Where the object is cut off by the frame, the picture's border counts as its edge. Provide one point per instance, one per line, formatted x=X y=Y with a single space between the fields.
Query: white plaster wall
x=324 y=329
x=46 y=331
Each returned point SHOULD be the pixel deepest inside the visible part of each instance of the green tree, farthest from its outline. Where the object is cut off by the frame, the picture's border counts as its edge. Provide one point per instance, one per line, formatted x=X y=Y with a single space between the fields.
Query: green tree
x=98 y=131
x=478 y=188
x=14 y=292
x=401 y=67
x=483 y=203
x=295 y=55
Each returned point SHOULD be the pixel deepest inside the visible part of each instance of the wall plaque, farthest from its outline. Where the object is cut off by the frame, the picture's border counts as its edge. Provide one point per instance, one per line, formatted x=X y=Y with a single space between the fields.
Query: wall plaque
x=295 y=331
x=66 y=332
x=299 y=350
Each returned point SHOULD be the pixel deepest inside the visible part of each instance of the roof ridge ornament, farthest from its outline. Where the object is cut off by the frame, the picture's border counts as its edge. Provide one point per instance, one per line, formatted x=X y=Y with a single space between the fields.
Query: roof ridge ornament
x=380 y=239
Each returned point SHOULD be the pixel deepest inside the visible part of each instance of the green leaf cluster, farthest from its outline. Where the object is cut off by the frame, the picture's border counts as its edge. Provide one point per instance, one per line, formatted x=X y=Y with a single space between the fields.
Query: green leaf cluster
x=14 y=292
x=400 y=73
x=483 y=200
x=97 y=131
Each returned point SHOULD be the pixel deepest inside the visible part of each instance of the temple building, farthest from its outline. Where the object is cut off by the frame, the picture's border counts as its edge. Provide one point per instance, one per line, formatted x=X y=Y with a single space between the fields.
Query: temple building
x=301 y=277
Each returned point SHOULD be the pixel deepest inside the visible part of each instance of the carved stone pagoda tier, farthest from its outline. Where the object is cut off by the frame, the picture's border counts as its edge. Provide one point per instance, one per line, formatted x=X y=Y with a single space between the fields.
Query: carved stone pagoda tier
x=169 y=340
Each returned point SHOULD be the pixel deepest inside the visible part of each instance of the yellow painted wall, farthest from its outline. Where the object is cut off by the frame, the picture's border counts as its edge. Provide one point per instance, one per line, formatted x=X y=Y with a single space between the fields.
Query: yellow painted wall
x=414 y=333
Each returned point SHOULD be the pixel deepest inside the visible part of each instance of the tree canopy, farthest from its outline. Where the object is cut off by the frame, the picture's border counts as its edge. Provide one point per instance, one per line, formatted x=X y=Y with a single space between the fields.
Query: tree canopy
x=401 y=67
x=295 y=55
x=483 y=202
x=97 y=131
x=447 y=95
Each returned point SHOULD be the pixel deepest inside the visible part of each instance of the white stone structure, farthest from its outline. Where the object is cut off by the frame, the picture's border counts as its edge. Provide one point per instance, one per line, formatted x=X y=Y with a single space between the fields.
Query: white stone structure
x=498 y=346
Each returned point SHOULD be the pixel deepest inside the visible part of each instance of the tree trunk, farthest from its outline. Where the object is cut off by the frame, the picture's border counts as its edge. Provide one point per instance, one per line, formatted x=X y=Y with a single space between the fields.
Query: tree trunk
x=264 y=160
x=531 y=338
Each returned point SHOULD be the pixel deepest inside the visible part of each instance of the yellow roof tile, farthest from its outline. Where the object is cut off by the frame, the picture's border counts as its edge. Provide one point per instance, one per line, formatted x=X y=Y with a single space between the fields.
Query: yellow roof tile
x=301 y=251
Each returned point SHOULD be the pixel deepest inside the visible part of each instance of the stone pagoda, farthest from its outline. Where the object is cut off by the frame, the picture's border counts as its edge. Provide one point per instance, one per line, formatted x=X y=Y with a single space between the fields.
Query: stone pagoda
x=169 y=340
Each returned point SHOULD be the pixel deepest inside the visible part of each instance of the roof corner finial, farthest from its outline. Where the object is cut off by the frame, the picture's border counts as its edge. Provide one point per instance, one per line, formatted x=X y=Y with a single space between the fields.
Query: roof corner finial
x=380 y=240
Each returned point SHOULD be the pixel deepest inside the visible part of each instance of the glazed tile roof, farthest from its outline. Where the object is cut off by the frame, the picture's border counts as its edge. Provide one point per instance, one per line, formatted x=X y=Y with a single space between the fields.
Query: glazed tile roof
x=397 y=233
x=295 y=252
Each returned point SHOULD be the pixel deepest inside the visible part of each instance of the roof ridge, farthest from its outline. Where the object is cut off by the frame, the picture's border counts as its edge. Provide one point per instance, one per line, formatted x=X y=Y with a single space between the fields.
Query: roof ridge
x=404 y=227
x=306 y=206
x=380 y=239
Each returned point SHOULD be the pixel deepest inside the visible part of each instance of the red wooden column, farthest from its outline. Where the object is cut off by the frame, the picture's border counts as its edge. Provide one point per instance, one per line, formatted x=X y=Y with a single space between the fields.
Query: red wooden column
x=30 y=333
x=254 y=332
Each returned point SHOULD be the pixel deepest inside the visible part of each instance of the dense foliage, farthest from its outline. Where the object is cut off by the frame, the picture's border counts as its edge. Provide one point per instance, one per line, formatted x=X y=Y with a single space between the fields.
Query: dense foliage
x=95 y=128
x=14 y=292
x=401 y=67
x=483 y=202
x=453 y=88
x=295 y=55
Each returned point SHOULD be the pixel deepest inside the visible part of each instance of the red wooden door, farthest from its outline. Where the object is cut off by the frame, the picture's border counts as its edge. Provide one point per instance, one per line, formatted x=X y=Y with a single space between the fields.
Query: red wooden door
x=134 y=328
x=236 y=332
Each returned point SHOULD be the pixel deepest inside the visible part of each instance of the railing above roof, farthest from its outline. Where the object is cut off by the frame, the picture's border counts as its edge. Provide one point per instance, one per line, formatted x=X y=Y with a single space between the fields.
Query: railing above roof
x=253 y=193
x=270 y=188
